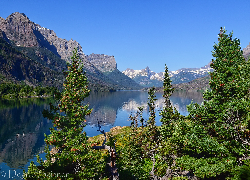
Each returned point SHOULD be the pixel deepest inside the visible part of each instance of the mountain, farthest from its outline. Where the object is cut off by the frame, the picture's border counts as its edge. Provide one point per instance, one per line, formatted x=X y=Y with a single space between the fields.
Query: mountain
x=17 y=67
x=200 y=75
x=145 y=77
x=42 y=46
x=102 y=62
x=148 y=78
x=199 y=84
x=107 y=65
x=185 y=75
x=202 y=83
x=246 y=51
x=24 y=33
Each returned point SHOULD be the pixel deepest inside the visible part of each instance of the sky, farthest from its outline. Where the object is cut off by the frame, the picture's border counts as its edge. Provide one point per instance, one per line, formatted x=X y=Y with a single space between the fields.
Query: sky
x=141 y=33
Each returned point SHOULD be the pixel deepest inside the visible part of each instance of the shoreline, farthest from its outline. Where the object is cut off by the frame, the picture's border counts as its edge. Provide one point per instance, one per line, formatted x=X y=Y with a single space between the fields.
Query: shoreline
x=26 y=97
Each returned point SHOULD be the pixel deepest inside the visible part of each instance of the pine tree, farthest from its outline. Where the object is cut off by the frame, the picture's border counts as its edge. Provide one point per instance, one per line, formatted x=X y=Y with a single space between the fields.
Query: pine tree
x=217 y=142
x=71 y=155
x=170 y=114
x=169 y=144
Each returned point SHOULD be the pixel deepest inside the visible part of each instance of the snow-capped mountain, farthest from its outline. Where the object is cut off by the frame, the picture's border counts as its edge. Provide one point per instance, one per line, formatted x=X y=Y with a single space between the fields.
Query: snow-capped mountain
x=147 y=78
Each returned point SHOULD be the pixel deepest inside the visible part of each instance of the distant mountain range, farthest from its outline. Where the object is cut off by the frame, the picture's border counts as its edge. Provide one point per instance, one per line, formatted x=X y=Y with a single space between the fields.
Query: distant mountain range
x=148 y=78
x=36 y=48
x=185 y=76
x=34 y=55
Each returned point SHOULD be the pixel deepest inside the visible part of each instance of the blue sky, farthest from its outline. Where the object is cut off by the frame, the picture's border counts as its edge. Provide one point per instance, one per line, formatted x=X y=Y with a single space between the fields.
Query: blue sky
x=140 y=33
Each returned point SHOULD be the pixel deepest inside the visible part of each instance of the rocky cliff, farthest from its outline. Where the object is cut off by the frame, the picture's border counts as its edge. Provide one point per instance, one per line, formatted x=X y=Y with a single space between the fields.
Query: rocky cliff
x=19 y=29
x=22 y=32
x=246 y=51
x=102 y=62
x=107 y=65
x=42 y=46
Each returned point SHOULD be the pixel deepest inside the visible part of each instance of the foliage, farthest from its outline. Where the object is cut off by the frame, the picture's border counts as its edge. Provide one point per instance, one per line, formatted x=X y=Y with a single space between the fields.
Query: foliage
x=42 y=55
x=71 y=154
x=10 y=90
x=140 y=146
x=16 y=66
x=170 y=130
x=136 y=146
x=217 y=141
x=211 y=142
x=131 y=162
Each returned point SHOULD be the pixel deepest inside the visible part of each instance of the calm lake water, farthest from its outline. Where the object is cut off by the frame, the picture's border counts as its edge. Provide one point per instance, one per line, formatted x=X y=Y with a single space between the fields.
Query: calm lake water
x=22 y=125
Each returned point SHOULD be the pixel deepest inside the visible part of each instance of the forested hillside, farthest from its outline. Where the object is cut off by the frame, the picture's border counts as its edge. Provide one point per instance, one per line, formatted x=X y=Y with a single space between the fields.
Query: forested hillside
x=45 y=56
x=17 y=67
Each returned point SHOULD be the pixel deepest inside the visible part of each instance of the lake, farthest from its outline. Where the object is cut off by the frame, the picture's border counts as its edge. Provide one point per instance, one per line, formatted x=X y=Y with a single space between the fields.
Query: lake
x=22 y=125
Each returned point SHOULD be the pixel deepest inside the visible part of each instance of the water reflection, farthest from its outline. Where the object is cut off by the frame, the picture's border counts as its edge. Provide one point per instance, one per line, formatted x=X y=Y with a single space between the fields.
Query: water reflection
x=22 y=129
x=113 y=108
x=22 y=125
x=106 y=106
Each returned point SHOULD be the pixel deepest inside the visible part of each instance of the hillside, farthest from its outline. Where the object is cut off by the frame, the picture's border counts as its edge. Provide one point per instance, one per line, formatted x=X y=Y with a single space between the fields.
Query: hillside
x=16 y=67
x=42 y=46
x=107 y=65
x=199 y=84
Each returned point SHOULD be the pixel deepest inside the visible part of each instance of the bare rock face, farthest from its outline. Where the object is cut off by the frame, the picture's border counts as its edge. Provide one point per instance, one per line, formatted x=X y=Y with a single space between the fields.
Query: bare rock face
x=246 y=51
x=1 y=33
x=23 y=32
x=19 y=29
x=43 y=46
x=62 y=47
x=102 y=62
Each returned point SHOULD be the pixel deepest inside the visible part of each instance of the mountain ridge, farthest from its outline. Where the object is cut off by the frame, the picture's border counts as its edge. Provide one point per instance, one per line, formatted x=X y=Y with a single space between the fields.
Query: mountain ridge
x=184 y=78
x=43 y=46
x=147 y=78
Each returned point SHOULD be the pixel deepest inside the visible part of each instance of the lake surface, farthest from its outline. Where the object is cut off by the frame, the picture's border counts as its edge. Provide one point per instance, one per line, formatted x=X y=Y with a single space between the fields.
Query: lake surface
x=22 y=125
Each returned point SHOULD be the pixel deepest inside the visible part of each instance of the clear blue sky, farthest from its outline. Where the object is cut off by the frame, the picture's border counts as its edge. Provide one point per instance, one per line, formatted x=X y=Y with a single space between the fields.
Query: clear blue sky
x=140 y=33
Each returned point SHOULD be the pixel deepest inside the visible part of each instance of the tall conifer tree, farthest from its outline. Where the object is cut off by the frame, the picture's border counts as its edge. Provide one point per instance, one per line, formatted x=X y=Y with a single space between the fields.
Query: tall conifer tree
x=217 y=143
x=71 y=156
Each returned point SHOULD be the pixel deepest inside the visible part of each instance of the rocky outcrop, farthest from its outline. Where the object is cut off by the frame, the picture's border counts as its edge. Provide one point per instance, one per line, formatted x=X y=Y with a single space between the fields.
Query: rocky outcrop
x=102 y=62
x=107 y=65
x=59 y=46
x=19 y=29
x=246 y=51
x=23 y=32
x=42 y=46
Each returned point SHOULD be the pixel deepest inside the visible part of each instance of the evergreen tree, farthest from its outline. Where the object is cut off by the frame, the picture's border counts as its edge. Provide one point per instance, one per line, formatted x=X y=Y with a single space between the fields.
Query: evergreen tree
x=217 y=142
x=170 y=131
x=71 y=156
